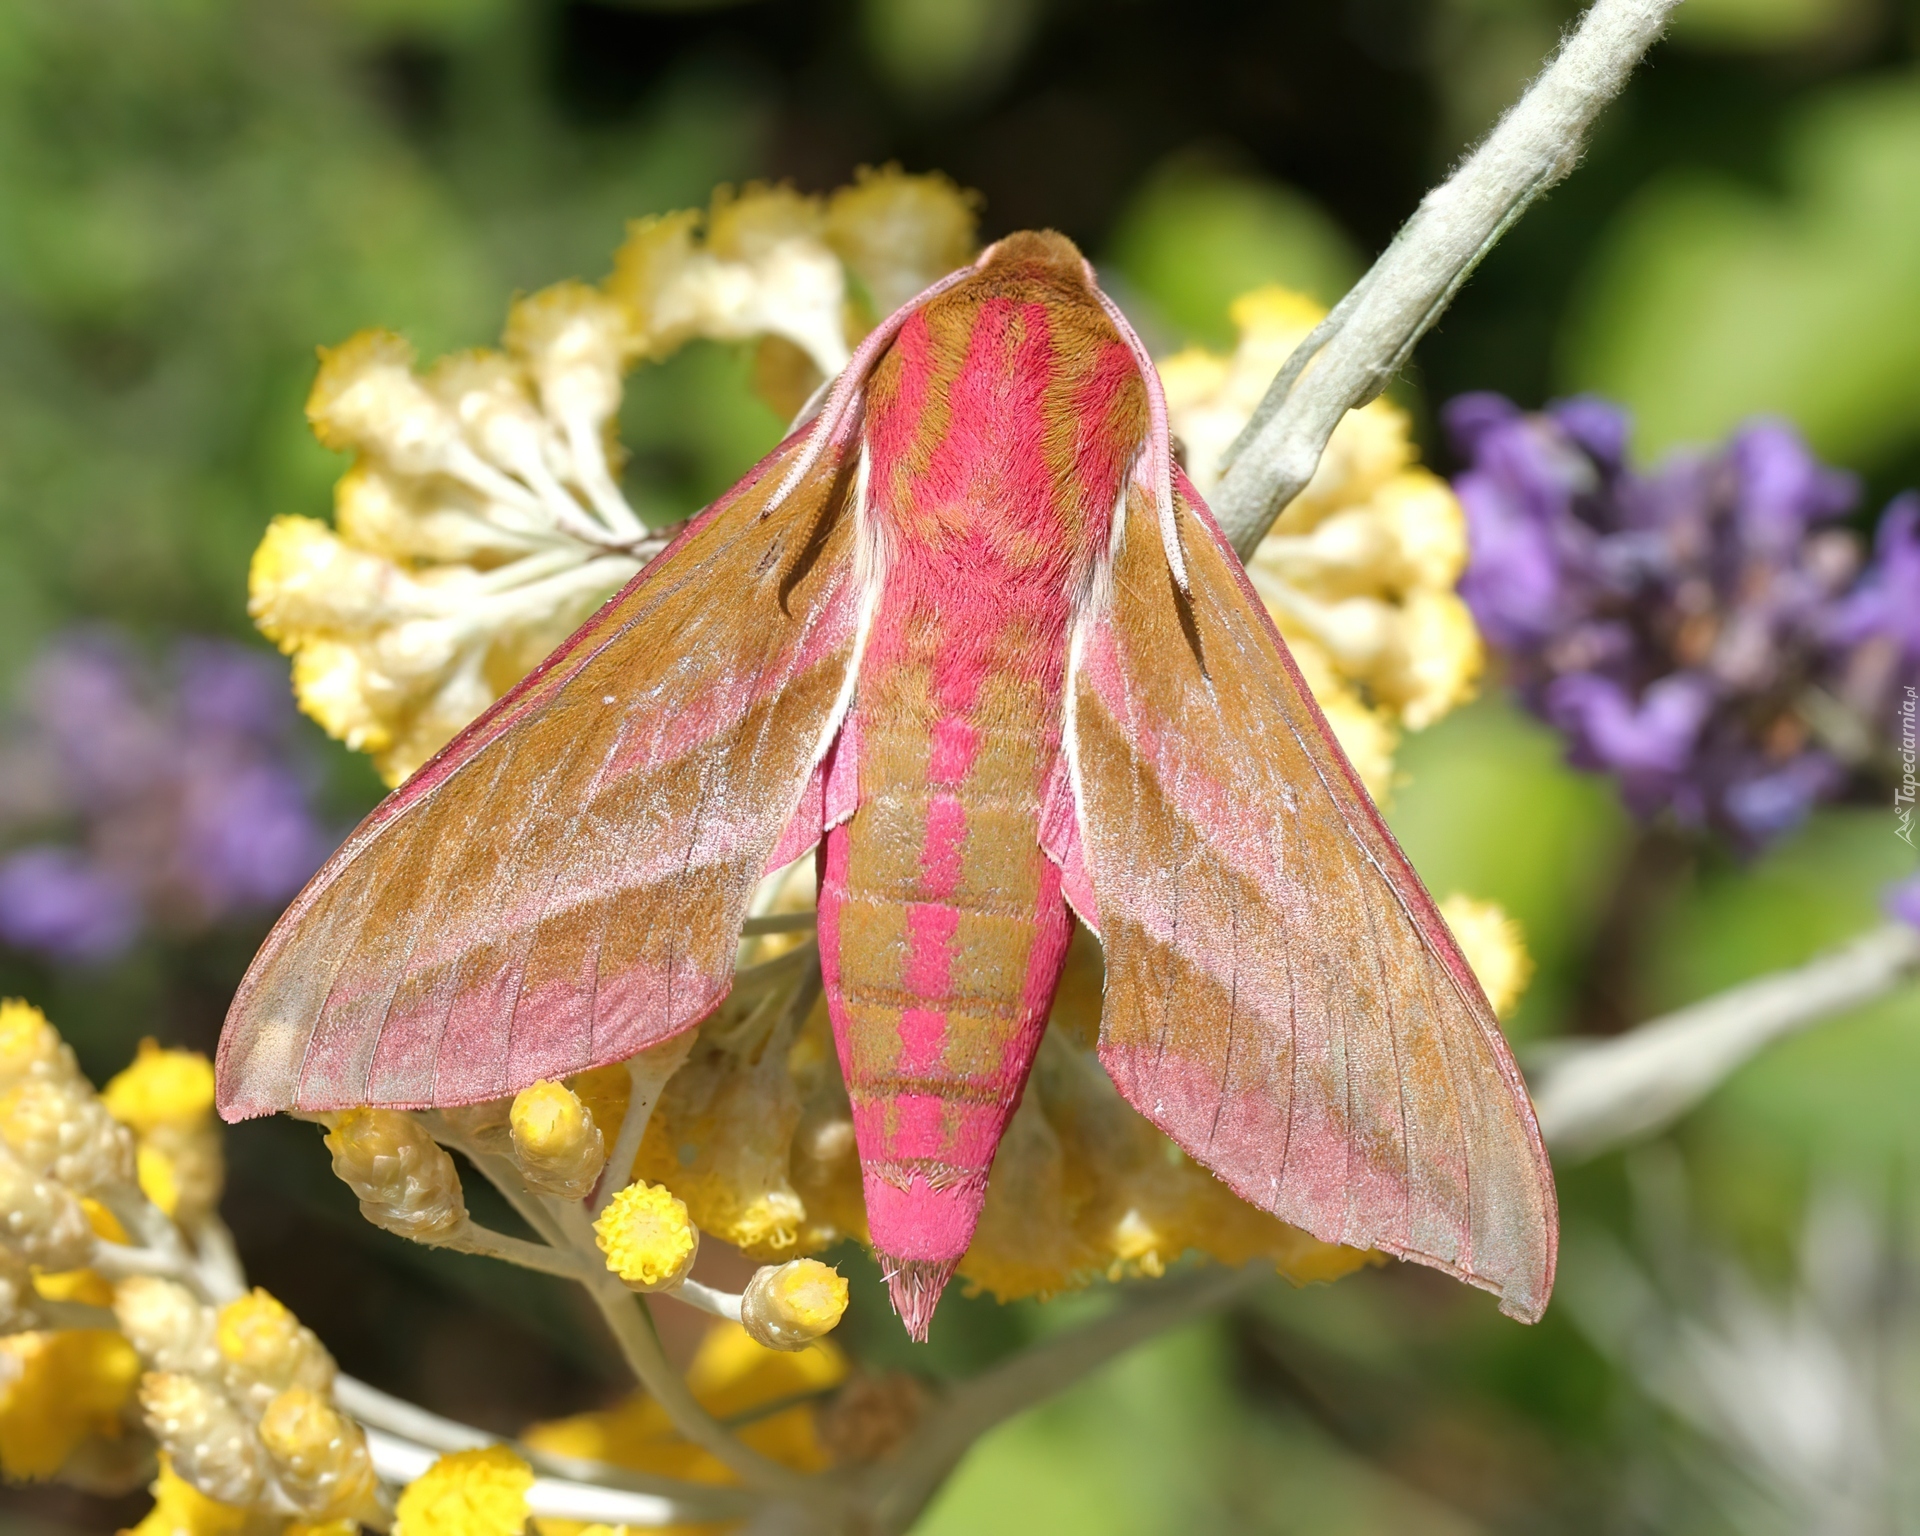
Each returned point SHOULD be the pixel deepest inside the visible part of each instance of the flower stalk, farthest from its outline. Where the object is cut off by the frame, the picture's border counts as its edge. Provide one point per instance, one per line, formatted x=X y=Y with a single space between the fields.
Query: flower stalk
x=1352 y=355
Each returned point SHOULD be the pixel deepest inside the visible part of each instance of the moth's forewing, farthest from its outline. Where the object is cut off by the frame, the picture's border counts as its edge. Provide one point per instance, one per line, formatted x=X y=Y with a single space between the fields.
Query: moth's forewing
x=565 y=883
x=1282 y=997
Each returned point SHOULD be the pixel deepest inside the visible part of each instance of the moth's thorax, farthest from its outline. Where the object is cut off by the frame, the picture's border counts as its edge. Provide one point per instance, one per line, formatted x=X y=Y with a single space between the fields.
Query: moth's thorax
x=1000 y=428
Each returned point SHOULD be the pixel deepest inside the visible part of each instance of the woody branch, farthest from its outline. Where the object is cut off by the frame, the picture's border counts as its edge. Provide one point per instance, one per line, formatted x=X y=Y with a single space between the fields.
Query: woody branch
x=1354 y=353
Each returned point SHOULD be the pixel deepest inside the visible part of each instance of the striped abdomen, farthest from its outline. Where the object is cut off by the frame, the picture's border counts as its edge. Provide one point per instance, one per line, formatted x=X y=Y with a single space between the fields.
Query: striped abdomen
x=999 y=429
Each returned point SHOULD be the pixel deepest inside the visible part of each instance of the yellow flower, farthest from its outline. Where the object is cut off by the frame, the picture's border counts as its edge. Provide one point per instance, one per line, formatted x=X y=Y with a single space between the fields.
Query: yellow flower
x=166 y=1098
x=466 y=1493
x=267 y=1350
x=1359 y=571
x=647 y=1238
x=180 y=1509
x=732 y=1377
x=1495 y=946
x=483 y=519
x=56 y=1390
x=29 y=1045
x=161 y=1087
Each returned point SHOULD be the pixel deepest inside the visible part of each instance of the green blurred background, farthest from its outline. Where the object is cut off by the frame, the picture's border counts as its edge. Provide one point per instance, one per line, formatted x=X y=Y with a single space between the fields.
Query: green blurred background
x=193 y=193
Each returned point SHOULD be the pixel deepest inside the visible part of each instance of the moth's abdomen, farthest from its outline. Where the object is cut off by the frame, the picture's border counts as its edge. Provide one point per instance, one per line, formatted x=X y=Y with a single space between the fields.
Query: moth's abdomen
x=947 y=931
x=999 y=429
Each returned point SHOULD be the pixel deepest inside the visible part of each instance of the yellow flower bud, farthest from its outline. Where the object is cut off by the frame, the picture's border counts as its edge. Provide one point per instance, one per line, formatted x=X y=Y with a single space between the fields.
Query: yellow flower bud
x=647 y=1236
x=571 y=337
x=206 y=1437
x=171 y=1327
x=180 y=1509
x=486 y=1126
x=555 y=1142
x=182 y=1169
x=406 y=1182
x=161 y=1087
x=899 y=232
x=467 y=1493
x=319 y=1456
x=61 y=1390
x=58 y=1126
x=29 y=1044
x=367 y=397
x=41 y=1223
x=788 y=1306
x=266 y=1351
x=1495 y=947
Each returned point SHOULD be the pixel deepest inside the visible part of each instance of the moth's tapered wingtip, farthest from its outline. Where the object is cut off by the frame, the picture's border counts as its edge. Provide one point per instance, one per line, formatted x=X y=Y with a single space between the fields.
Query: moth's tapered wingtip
x=914 y=1285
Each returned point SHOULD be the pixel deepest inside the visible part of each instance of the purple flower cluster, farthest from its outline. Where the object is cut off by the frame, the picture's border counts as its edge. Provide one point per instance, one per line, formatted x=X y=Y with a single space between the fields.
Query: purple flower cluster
x=1704 y=631
x=135 y=796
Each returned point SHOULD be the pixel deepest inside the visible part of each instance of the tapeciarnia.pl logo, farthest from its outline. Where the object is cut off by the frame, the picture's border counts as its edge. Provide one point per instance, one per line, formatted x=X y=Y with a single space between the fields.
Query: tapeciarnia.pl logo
x=1904 y=791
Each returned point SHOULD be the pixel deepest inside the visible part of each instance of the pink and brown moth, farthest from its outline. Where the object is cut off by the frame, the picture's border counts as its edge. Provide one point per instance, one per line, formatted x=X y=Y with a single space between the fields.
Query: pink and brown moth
x=971 y=633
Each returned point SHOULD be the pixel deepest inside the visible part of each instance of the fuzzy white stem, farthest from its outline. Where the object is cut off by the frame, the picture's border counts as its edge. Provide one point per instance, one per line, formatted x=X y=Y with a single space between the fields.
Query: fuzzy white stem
x=647 y=1076
x=471 y=1238
x=406 y=1421
x=399 y=1461
x=217 y=1261
x=596 y=478
x=721 y=1304
x=1353 y=354
x=1593 y=1097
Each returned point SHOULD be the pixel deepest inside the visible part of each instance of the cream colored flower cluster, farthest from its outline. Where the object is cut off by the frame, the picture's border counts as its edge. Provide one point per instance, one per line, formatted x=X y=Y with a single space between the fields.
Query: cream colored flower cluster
x=1359 y=571
x=483 y=517
x=240 y=1401
x=109 y=1247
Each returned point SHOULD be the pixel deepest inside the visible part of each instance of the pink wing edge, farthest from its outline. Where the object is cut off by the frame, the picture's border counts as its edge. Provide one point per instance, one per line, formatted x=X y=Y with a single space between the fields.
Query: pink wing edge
x=1063 y=841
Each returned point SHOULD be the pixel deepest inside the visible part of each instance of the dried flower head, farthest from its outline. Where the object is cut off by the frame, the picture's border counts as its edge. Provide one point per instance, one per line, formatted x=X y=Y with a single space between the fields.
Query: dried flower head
x=42 y=1222
x=205 y=1435
x=483 y=519
x=172 y=1329
x=406 y=1183
x=265 y=1350
x=319 y=1456
x=1359 y=571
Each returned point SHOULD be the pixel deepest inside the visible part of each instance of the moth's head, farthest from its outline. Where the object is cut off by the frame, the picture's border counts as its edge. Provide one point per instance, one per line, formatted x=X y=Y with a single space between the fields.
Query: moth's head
x=1036 y=253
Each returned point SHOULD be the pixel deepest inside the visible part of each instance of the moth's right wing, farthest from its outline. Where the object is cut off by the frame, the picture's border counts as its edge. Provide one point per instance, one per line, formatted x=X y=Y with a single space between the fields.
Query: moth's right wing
x=1282 y=998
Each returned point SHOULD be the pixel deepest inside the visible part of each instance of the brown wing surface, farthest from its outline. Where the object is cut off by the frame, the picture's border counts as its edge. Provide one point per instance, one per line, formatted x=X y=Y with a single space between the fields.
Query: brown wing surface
x=565 y=883
x=1282 y=997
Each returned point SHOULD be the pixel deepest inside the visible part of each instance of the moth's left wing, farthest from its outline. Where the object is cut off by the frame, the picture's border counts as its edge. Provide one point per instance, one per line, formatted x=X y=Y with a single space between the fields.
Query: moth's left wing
x=1282 y=998
x=565 y=883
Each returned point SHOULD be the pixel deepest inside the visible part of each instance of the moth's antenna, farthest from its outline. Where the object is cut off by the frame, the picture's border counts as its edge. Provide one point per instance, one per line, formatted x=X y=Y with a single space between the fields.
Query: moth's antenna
x=1154 y=467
